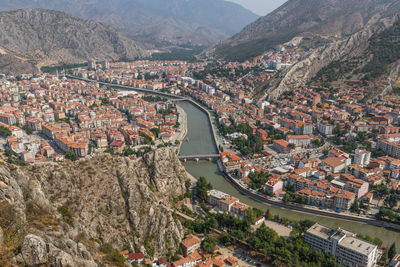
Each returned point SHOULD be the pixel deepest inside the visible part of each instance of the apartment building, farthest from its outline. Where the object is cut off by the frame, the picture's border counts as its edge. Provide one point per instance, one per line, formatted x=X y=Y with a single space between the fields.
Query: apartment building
x=299 y=140
x=362 y=157
x=343 y=245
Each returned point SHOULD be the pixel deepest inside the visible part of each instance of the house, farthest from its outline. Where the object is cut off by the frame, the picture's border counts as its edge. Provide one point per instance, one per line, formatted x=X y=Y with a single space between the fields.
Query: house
x=239 y=209
x=232 y=261
x=259 y=220
x=118 y=146
x=281 y=146
x=334 y=164
x=190 y=261
x=135 y=257
x=190 y=244
x=274 y=186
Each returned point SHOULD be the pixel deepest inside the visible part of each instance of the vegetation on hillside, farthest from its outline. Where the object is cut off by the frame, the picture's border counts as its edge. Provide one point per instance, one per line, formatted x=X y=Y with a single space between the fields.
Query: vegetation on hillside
x=252 y=48
x=179 y=53
x=383 y=50
x=279 y=251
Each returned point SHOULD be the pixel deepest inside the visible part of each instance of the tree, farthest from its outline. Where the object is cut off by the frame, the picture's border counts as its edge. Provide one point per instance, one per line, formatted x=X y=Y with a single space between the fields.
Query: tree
x=71 y=155
x=391 y=201
x=208 y=244
x=155 y=131
x=268 y=215
x=355 y=207
x=292 y=146
x=202 y=187
x=392 y=251
x=5 y=132
x=226 y=239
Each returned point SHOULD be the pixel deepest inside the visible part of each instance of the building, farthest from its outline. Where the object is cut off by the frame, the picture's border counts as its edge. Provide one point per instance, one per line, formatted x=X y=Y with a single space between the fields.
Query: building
x=334 y=164
x=190 y=244
x=362 y=157
x=299 y=140
x=325 y=128
x=343 y=245
x=281 y=146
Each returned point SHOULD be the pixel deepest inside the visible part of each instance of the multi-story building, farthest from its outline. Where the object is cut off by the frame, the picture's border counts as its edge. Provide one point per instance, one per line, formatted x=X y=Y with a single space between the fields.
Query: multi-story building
x=299 y=140
x=190 y=244
x=325 y=128
x=390 y=148
x=362 y=157
x=347 y=249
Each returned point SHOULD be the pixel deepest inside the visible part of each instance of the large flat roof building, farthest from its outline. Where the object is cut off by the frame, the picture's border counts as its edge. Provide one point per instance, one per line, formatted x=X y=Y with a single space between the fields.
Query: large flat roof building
x=347 y=249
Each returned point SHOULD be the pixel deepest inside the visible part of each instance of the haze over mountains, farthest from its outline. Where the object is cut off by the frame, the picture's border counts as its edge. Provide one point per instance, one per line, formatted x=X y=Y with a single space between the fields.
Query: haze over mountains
x=178 y=21
x=38 y=36
x=336 y=18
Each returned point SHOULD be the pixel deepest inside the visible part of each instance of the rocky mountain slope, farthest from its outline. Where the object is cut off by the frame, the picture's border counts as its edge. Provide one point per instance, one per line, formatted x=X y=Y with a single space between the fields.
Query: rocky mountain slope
x=82 y=213
x=326 y=18
x=178 y=21
x=368 y=56
x=38 y=36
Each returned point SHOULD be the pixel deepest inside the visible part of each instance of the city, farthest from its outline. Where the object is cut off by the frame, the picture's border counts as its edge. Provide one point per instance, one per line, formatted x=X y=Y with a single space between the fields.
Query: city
x=213 y=133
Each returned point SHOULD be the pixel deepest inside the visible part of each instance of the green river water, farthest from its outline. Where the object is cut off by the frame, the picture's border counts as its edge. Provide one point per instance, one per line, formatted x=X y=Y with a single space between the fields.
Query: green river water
x=200 y=141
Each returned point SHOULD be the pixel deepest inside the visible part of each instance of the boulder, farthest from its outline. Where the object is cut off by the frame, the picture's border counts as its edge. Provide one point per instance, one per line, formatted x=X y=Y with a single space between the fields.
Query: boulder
x=34 y=250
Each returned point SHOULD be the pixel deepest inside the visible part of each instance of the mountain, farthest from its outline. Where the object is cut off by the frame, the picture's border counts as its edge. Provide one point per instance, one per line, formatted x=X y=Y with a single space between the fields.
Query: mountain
x=370 y=58
x=83 y=213
x=44 y=37
x=323 y=18
x=202 y=22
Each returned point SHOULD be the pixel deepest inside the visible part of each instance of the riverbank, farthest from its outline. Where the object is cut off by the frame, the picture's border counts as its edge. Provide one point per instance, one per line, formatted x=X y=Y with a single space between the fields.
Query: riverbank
x=300 y=208
x=201 y=142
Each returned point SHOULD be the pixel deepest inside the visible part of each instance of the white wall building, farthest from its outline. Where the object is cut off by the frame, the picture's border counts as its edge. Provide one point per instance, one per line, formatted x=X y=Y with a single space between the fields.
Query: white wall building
x=347 y=249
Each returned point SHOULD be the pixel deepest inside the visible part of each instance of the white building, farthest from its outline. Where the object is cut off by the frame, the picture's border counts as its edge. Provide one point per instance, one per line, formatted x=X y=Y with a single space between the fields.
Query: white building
x=362 y=157
x=347 y=249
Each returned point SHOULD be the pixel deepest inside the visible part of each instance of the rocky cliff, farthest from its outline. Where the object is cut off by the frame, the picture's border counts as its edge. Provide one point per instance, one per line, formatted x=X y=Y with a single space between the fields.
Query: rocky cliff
x=327 y=18
x=80 y=213
x=50 y=37
x=354 y=46
x=178 y=21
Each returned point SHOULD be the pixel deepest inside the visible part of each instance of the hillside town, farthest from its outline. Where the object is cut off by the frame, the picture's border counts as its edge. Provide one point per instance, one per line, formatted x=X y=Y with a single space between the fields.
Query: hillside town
x=315 y=147
x=47 y=118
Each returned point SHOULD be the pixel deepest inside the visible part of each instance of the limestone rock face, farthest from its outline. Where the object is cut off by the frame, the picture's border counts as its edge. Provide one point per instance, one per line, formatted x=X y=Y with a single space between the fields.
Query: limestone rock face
x=73 y=208
x=300 y=73
x=34 y=250
x=1 y=235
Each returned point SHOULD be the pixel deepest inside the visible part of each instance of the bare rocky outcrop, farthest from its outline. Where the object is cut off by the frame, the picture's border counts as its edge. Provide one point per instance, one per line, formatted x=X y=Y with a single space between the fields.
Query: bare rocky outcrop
x=32 y=37
x=306 y=69
x=72 y=209
x=178 y=21
x=34 y=250
x=327 y=18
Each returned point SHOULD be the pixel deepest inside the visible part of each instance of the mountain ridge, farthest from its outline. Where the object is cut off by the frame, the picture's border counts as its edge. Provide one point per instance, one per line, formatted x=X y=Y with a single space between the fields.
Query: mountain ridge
x=178 y=21
x=40 y=36
x=327 y=18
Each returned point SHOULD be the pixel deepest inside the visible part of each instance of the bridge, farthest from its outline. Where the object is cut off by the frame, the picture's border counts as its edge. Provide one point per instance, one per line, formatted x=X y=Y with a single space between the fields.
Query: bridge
x=173 y=98
x=209 y=157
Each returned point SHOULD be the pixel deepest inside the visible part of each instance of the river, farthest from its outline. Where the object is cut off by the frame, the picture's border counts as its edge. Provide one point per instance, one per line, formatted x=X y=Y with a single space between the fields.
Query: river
x=200 y=141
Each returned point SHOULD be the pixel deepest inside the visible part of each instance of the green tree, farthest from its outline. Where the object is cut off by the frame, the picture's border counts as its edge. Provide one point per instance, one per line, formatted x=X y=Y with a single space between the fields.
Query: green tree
x=71 y=155
x=391 y=201
x=155 y=131
x=208 y=244
x=392 y=251
x=226 y=239
x=355 y=206
x=202 y=187
x=5 y=132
